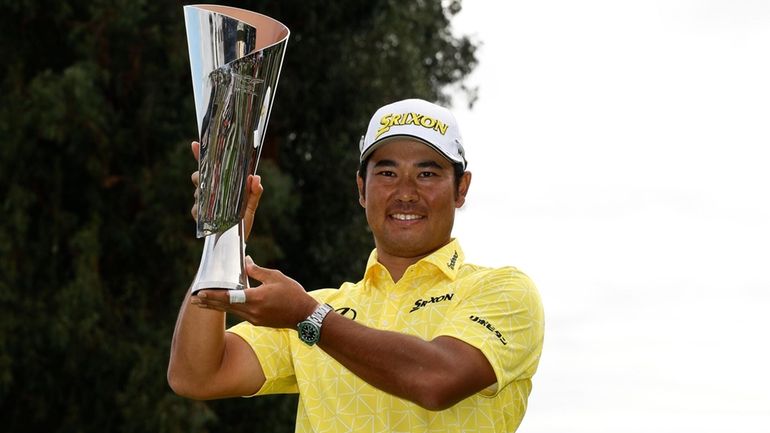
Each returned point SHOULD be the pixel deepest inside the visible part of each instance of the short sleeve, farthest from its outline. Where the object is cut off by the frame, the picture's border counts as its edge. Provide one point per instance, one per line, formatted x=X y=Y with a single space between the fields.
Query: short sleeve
x=272 y=347
x=501 y=314
x=275 y=352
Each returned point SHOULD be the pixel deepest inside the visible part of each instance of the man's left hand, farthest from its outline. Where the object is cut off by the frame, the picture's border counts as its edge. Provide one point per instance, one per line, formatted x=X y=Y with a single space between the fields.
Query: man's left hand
x=279 y=302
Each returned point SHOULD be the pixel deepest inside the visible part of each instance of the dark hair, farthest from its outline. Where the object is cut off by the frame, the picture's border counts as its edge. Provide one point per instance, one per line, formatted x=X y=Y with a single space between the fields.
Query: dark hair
x=459 y=171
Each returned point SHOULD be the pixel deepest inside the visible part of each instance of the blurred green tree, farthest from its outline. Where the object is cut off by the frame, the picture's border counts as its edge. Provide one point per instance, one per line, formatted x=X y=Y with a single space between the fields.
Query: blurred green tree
x=96 y=243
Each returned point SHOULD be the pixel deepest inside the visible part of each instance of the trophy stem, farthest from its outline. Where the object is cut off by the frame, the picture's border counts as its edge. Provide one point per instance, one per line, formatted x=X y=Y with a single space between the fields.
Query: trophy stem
x=222 y=263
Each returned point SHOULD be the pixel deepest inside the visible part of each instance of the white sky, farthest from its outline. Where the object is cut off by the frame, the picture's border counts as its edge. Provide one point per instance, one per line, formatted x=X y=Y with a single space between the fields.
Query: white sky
x=620 y=152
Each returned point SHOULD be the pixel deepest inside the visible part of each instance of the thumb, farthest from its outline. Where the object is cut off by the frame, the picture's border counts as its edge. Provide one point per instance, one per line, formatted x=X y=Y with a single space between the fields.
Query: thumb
x=258 y=272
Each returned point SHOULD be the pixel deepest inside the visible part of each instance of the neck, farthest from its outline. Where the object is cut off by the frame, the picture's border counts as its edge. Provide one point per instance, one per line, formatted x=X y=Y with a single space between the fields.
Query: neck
x=396 y=266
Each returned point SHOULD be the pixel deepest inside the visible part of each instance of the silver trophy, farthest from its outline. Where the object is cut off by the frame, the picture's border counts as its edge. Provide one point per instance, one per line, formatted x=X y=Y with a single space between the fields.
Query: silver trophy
x=235 y=58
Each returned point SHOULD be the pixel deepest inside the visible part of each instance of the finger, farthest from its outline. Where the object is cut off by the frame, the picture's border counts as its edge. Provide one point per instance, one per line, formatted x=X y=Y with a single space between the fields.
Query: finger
x=196 y=178
x=253 y=193
x=200 y=302
x=196 y=150
x=256 y=184
x=204 y=306
x=255 y=190
x=211 y=298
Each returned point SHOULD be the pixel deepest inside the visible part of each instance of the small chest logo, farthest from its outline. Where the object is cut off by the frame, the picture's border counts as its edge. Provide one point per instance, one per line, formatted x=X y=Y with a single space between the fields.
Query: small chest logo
x=347 y=312
x=420 y=303
x=452 y=261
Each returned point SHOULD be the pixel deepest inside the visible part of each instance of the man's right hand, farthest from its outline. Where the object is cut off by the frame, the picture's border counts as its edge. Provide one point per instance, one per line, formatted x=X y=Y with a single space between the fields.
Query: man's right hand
x=253 y=187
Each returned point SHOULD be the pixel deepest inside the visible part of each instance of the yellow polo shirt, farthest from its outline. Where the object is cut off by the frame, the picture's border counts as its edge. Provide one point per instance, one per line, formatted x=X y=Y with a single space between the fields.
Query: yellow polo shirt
x=495 y=310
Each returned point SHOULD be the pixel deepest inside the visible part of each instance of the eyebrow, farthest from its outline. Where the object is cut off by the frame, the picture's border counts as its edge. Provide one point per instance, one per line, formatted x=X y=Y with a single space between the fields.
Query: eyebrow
x=421 y=164
x=429 y=164
x=385 y=163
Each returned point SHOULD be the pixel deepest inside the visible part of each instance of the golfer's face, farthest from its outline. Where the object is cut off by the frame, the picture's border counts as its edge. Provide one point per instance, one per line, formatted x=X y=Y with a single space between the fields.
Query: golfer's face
x=410 y=198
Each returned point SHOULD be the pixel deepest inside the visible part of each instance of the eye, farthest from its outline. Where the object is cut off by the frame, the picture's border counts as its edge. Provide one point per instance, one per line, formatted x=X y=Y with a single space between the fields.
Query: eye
x=427 y=174
x=386 y=173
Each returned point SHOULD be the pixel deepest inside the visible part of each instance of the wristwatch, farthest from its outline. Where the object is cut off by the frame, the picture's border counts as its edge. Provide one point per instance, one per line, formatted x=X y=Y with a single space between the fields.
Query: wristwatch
x=309 y=330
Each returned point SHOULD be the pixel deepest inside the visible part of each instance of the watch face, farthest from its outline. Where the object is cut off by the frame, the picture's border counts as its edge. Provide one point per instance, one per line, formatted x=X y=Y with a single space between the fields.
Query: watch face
x=308 y=332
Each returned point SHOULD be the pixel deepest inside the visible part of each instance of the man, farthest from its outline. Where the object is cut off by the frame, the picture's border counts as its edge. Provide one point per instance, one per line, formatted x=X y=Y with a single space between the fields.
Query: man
x=424 y=342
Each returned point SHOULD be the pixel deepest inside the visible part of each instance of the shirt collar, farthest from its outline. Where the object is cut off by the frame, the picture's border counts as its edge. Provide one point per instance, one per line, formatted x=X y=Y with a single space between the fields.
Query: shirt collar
x=447 y=259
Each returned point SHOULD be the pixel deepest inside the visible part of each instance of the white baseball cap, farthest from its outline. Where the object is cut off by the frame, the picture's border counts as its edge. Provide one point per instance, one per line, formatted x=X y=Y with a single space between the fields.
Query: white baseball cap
x=418 y=119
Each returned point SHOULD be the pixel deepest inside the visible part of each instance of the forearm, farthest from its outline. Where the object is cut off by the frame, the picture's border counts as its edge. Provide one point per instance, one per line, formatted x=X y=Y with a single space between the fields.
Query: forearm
x=432 y=374
x=197 y=347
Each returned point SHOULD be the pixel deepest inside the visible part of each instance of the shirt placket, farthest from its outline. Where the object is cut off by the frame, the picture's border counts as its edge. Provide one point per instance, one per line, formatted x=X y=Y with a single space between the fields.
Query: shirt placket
x=395 y=299
x=383 y=290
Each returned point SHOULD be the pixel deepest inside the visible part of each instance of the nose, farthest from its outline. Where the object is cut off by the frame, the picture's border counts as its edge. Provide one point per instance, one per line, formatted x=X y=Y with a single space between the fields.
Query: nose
x=407 y=191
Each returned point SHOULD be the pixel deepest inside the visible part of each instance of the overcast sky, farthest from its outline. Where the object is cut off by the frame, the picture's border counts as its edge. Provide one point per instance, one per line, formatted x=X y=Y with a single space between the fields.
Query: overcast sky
x=620 y=152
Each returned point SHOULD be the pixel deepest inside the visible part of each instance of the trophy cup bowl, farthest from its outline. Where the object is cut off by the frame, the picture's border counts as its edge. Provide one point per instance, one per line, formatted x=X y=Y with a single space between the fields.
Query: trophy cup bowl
x=235 y=60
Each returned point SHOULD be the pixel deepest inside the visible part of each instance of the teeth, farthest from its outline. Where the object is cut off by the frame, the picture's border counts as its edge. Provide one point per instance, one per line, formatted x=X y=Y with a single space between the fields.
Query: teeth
x=406 y=217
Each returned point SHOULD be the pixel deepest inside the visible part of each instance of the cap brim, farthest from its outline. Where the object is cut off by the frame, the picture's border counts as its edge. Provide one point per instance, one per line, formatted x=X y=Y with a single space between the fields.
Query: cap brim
x=377 y=144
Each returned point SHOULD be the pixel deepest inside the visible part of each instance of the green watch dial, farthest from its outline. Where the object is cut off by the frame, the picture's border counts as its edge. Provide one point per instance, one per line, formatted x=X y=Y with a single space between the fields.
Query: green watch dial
x=308 y=332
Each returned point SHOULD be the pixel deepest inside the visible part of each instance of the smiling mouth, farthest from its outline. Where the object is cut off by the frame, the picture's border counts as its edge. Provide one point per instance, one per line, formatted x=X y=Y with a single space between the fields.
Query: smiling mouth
x=406 y=217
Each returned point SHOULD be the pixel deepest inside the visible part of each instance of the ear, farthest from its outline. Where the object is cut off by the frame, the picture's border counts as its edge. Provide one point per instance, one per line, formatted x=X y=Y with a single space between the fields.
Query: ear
x=462 y=189
x=361 y=190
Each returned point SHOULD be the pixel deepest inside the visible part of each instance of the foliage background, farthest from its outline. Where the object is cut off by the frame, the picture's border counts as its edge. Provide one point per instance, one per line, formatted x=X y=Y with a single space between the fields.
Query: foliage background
x=97 y=246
